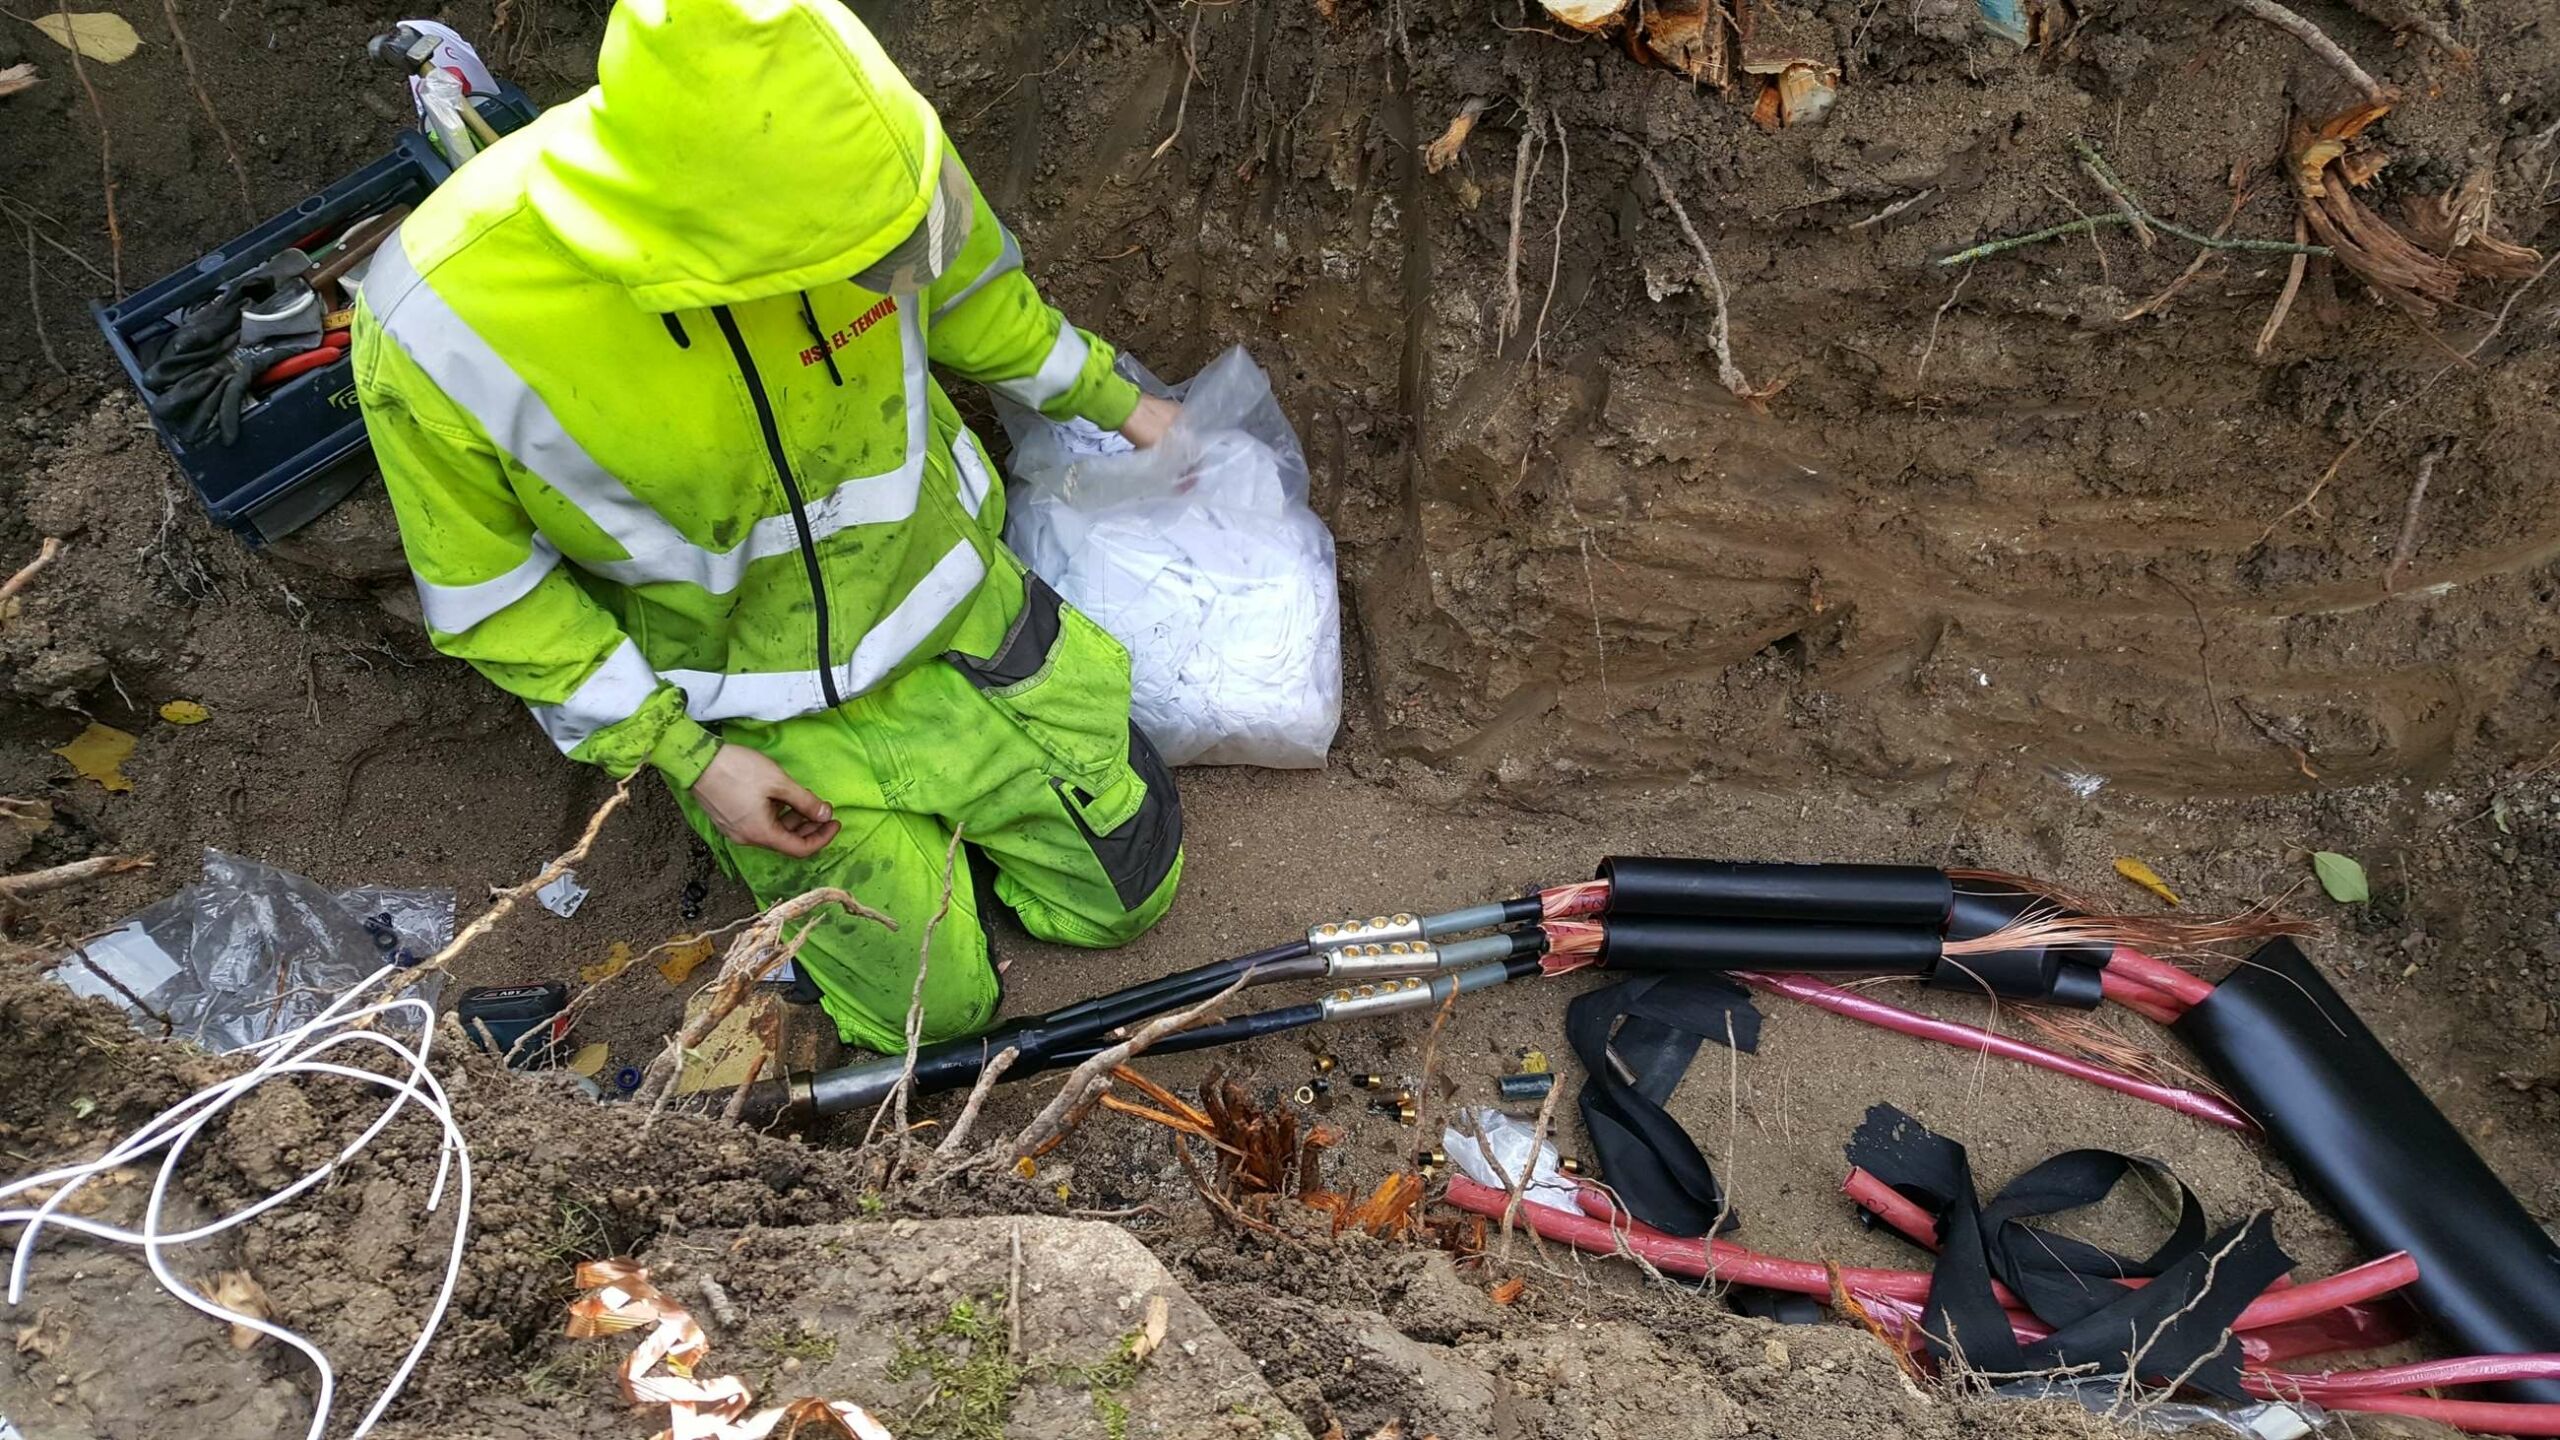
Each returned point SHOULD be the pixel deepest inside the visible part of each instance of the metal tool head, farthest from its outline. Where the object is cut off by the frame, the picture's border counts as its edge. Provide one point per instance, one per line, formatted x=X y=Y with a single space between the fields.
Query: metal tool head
x=404 y=46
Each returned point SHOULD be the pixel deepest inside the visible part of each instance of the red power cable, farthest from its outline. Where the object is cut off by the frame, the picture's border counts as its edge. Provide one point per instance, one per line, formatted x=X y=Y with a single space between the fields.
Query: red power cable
x=2484 y=1417
x=2327 y=1385
x=2141 y=999
x=2168 y=979
x=2282 y=1304
x=1949 y=1032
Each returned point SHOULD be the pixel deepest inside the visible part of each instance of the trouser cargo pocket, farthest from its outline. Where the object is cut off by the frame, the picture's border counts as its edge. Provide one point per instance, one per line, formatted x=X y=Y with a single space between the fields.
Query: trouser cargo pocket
x=1064 y=682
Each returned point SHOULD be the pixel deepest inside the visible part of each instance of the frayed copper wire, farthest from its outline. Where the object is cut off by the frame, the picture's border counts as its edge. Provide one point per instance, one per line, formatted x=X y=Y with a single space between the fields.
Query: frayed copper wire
x=1574 y=902
x=2159 y=935
x=1572 y=945
x=2079 y=919
x=2085 y=1036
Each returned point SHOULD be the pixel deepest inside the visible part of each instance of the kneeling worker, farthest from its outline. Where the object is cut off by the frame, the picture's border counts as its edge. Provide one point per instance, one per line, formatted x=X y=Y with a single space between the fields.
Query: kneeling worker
x=648 y=384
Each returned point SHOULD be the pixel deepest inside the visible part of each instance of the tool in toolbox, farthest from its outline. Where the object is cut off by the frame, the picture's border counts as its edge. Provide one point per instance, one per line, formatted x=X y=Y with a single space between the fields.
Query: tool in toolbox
x=224 y=348
x=503 y=1015
x=412 y=50
x=270 y=435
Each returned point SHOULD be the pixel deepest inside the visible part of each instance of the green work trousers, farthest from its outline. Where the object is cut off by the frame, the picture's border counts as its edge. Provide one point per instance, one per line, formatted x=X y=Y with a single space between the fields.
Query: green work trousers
x=1018 y=739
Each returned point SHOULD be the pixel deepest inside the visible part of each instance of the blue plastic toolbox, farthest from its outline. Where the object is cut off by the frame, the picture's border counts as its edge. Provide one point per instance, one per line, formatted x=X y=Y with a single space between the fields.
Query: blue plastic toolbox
x=302 y=445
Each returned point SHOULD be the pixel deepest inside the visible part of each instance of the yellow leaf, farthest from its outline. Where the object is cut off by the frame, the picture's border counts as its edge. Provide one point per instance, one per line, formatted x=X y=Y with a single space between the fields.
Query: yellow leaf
x=99 y=753
x=96 y=34
x=1026 y=1167
x=2146 y=877
x=617 y=958
x=185 y=712
x=590 y=1060
x=239 y=1292
x=680 y=964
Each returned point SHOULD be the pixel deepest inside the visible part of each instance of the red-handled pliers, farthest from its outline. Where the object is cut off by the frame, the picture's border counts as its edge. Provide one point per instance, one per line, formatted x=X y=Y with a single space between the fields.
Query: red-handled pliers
x=332 y=349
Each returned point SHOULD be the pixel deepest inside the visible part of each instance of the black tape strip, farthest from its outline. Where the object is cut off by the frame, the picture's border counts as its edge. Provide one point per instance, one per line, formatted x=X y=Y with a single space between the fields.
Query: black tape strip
x=1654 y=1023
x=2367 y=1142
x=2173 y=1327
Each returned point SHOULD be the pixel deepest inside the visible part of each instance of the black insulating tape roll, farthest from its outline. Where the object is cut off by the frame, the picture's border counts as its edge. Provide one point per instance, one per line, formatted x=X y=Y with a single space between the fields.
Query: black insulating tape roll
x=1747 y=890
x=1664 y=942
x=2367 y=1142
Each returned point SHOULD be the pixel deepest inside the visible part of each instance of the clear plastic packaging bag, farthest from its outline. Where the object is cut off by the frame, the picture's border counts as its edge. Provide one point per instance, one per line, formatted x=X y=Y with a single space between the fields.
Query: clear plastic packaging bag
x=1492 y=1148
x=252 y=951
x=1202 y=557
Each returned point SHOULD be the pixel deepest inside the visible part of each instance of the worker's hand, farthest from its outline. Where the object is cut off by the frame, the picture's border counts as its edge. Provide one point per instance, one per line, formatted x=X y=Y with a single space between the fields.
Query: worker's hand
x=1147 y=424
x=755 y=802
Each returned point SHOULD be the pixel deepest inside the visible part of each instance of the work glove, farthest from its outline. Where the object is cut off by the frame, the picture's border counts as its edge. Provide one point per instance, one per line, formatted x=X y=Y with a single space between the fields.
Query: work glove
x=212 y=330
x=207 y=401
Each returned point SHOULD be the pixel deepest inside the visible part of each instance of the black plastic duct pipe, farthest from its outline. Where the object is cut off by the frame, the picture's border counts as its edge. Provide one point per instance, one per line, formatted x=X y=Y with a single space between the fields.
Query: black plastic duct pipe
x=1664 y=942
x=1915 y=895
x=2365 y=1140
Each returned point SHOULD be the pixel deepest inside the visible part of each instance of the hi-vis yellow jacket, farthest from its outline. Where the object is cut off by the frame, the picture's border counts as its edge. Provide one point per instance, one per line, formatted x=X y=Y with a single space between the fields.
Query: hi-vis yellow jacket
x=648 y=384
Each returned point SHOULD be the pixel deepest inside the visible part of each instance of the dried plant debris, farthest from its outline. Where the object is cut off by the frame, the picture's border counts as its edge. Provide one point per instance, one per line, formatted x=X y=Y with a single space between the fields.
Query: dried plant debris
x=2331 y=160
x=1592 y=17
x=2456 y=225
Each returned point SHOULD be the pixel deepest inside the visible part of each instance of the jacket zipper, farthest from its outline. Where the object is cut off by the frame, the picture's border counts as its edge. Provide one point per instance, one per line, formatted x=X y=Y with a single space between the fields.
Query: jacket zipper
x=790 y=492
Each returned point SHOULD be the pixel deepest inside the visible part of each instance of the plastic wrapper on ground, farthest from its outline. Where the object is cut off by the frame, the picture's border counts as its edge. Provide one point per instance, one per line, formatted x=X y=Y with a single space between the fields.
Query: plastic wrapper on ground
x=252 y=951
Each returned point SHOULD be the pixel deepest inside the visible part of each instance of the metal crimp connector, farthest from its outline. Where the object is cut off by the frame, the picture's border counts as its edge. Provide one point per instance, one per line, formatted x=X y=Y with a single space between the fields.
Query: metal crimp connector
x=1372 y=959
x=1376 y=930
x=1384 y=998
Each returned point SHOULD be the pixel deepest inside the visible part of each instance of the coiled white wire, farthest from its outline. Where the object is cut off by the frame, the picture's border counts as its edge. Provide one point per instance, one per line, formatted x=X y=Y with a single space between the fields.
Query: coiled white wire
x=295 y=1052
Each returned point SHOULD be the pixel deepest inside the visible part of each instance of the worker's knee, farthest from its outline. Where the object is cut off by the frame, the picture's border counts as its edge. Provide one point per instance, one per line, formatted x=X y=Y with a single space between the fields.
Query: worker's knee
x=1137 y=920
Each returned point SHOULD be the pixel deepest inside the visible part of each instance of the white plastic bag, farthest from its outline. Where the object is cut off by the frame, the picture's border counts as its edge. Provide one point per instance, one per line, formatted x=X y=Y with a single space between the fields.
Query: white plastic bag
x=1492 y=1148
x=1201 y=556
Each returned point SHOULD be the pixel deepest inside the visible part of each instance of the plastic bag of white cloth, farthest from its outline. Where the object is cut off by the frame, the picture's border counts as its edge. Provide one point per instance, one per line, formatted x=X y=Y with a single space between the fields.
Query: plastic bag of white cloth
x=1201 y=556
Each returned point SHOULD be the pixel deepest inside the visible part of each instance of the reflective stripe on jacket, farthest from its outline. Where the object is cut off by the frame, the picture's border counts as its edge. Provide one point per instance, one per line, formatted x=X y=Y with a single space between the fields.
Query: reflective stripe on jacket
x=650 y=471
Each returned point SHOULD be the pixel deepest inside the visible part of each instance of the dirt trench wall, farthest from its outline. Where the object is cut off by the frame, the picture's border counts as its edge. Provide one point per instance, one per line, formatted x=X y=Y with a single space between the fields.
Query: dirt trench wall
x=1986 y=514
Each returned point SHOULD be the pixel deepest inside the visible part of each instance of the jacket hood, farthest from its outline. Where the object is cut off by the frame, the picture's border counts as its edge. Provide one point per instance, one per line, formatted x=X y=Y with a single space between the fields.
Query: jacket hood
x=736 y=149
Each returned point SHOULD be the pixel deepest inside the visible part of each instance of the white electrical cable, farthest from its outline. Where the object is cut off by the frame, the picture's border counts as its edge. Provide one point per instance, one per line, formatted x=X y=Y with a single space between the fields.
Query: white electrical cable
x=294 y=1052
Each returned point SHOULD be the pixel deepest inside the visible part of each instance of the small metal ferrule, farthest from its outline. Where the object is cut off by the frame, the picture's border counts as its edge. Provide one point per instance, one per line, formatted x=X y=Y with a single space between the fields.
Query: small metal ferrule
x=1571 y=1166
x=1306 y=1095
x=1325 y=1063
x=1376 y=930
x=1383 y=998
x=1370 y=960
x=1370 y=1081
x=1404 y=1110
x=1431 y=1159
x=1527 y=1085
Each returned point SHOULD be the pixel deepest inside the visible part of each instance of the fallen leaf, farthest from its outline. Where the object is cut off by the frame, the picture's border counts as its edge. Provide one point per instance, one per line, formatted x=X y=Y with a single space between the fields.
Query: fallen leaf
x=680 y=963
x=2498 y=814
x=2146 y=877
x=238 y=1292
x=46 y=1338
x=89 y=1199
x=1151 y=1334
x=96 y=34
x=1026 y=1167
x=1509 y=1291
x=617 y=958
x=2342 y=877
x=99 y=753
x=185 y=712
x=590 y=1060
